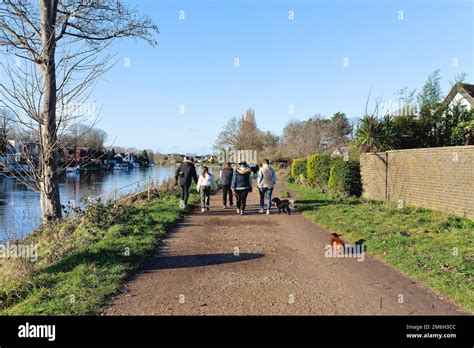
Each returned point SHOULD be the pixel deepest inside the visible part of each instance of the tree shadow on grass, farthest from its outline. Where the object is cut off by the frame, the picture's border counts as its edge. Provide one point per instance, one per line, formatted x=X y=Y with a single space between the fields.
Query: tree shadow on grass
x=311 y=204
x=101 y=258
x=197 y=260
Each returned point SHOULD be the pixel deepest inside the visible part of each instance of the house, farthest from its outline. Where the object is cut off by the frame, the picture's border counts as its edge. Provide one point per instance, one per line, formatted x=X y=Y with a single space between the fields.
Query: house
x=340 y=152
x=19 y=154
x=126 y=157
x=461 y=94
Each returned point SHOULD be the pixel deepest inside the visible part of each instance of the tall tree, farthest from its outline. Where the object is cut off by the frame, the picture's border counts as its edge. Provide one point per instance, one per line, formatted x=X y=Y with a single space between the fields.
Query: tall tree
x=229 y=137
x=241 y=134
x=340 y=129
x=60 y=44
x=431 y=93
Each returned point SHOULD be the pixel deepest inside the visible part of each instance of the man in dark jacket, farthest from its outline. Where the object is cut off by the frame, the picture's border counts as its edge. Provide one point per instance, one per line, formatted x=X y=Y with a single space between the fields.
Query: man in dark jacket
x=185 y=174
x=225 y=177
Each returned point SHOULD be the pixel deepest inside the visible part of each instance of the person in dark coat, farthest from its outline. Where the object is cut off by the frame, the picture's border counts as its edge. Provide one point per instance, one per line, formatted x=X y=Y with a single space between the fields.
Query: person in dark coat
x=225 y=176
x=254 y=168
x=242 y=185
x=185 y=174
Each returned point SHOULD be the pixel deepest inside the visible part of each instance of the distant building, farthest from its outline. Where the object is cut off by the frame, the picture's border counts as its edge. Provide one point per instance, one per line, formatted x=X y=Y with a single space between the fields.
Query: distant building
x=340 y=152
x=19 y=154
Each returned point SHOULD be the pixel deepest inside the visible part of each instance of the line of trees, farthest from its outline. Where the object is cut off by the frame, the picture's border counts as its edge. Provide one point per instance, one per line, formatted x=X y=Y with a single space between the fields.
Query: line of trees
x=415 y=120
x=299 y=138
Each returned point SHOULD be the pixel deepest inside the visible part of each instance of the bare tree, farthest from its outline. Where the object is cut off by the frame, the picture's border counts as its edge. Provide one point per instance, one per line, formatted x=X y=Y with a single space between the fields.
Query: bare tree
x=241 y=134
x=56 y=51
x=83 y=135
x=229 y=136
x=302 y=138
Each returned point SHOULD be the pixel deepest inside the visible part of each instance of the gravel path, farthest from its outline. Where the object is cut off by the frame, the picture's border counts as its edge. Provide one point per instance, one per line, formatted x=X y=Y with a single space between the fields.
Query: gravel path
x=281 y=269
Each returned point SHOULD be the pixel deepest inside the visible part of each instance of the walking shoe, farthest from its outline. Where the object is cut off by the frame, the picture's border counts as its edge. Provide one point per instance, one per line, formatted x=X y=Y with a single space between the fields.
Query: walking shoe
x=207 y=208
x=238 y=211
x=224 y=207
x=203 y=210
x=268 y=211
x=241 y=212
x=261 y=211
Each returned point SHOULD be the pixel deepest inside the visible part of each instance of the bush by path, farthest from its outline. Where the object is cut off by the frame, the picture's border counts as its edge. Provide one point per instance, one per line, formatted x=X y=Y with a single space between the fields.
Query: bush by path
x=344 y=178
x=298 y=167
x=318 y=169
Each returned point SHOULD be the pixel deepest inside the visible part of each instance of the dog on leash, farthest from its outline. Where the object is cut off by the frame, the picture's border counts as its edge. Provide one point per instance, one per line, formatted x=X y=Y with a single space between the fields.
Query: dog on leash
x=337 y=243
x=284 y=205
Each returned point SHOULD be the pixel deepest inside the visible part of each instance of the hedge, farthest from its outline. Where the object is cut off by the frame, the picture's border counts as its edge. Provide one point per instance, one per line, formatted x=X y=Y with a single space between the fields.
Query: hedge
x=318 y=170
x=298 y=167
x=344 y=178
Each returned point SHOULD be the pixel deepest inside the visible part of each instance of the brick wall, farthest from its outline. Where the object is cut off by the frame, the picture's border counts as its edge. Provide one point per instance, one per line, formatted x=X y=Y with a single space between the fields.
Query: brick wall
x=436 y=178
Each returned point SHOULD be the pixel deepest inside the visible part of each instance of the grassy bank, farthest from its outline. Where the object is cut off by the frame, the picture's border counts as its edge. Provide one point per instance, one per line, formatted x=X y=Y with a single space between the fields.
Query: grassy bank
x=98 y=251
x=430 y=246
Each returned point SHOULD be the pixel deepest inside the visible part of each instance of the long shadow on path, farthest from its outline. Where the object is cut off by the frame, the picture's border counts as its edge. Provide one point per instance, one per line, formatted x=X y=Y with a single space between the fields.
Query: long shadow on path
x=198 y=260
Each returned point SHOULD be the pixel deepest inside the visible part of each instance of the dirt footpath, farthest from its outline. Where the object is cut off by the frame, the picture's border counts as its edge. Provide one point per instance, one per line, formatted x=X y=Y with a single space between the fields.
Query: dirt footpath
x=281 y=268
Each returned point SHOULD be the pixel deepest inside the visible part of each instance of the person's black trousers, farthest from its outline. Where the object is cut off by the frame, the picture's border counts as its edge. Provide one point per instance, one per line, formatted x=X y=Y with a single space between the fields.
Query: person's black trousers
x=185 y=193
x=226 y=190
x=242 y=198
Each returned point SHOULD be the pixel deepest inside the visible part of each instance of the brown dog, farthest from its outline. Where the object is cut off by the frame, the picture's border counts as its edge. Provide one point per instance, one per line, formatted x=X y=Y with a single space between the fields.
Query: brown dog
x=337 y=243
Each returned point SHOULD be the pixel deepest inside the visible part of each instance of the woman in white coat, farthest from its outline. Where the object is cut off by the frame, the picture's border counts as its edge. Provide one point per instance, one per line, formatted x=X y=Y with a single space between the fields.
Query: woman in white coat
x=205 y=183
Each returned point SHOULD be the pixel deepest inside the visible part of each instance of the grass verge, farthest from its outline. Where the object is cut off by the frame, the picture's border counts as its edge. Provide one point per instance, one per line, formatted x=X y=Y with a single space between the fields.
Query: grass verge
x=430 y=246
x=80 y=282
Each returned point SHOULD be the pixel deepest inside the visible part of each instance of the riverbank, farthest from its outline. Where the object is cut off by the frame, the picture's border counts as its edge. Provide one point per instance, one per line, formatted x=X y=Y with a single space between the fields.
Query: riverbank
x=429 y=246
x=19 y=209
x=82 y=261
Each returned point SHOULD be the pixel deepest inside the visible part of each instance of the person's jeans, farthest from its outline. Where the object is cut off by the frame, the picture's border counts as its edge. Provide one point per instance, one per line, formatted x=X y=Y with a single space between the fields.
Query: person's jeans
x=185 y=194
x=266 y=192
x=205 y=196
x=242 y=198
x=226 y=190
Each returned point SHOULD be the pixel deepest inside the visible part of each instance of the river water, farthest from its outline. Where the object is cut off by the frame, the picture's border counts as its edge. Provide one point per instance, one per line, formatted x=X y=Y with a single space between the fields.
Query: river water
x=19 y=205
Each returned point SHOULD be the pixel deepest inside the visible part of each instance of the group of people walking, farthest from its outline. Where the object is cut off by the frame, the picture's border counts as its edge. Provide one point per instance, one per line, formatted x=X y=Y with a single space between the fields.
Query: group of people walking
x=235 y=182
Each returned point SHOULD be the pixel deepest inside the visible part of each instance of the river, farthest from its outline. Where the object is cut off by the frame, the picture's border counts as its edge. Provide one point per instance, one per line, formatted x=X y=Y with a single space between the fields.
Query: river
x=19 y=205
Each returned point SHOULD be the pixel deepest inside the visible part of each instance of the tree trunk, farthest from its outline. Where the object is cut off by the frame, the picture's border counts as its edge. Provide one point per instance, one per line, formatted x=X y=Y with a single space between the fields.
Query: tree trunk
x=49 y=185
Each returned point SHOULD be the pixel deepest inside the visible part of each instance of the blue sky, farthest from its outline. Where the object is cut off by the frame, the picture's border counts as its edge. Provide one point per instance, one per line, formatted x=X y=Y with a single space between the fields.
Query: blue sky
x=283 y=62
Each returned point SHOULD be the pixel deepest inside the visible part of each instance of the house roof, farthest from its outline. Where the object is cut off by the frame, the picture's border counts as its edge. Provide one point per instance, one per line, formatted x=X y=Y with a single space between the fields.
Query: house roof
x=466 y=90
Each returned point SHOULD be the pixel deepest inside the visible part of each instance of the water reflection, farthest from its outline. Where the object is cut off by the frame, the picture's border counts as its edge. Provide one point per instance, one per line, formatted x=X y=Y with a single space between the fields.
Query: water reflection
x=19 y=205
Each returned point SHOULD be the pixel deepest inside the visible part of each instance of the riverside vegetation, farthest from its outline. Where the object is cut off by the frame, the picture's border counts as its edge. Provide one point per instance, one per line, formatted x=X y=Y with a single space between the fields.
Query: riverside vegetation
x=84 y=259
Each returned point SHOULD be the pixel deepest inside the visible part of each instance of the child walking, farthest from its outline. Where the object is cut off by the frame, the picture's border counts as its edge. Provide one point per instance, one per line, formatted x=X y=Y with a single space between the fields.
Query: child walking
x=205 y=183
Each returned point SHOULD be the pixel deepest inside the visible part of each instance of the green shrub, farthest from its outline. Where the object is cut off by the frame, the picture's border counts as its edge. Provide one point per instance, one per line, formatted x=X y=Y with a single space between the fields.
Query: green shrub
x=318 y=170
x=344 y=178
x=298 y=167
